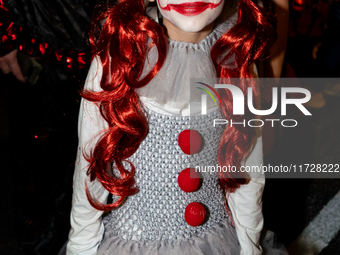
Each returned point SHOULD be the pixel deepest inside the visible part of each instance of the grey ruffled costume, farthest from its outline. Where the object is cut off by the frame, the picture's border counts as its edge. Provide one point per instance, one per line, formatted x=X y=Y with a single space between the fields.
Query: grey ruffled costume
x=152 y=221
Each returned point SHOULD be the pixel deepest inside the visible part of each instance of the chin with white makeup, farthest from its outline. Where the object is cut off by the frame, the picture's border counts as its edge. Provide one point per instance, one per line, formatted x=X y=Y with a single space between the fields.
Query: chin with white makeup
x=190 y=16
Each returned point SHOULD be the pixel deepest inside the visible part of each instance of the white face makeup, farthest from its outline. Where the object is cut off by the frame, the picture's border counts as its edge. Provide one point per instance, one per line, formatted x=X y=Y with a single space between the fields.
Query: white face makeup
x=188 y=15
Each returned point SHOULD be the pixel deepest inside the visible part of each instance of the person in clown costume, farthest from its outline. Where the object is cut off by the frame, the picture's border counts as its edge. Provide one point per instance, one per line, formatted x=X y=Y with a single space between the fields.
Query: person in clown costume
x=138 y=136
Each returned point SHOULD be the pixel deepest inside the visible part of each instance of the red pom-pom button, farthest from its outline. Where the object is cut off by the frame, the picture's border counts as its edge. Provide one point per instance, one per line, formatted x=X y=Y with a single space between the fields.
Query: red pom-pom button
x=189 y=180
x=190 y=141
x=195 y=214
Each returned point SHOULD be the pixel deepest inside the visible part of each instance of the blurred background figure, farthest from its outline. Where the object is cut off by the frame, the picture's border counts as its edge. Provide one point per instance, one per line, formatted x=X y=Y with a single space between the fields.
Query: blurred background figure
x=304 y=212
x=44 y=48
x=315 y=29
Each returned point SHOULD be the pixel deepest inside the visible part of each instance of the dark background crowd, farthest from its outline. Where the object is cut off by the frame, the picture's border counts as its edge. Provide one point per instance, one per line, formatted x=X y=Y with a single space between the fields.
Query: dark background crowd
x=38 y=122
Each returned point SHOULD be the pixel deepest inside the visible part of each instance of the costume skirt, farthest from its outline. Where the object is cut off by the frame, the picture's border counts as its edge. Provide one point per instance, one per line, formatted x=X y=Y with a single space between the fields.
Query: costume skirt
x=219 y=240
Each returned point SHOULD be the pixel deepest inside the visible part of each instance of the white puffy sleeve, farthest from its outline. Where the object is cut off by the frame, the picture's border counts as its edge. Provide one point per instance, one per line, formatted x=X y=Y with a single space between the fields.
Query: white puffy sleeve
x=246 y=205
x=86 y=222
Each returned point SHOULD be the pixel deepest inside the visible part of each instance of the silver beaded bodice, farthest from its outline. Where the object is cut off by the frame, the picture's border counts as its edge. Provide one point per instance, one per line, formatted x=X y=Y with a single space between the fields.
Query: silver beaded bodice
x=156 y=212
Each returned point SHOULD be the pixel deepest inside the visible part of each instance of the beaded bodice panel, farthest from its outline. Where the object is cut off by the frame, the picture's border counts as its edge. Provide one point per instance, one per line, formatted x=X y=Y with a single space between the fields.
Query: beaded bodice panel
x=156 y=212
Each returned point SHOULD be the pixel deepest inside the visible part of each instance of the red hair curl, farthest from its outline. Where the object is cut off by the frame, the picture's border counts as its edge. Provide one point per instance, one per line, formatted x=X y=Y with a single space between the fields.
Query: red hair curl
x=248 y=41
x=122 y=48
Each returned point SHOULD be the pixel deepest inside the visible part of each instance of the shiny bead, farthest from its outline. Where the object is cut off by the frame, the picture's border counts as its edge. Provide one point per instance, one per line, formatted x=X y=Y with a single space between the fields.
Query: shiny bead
x=195 y=214
x=189 y=180
x=190 y=141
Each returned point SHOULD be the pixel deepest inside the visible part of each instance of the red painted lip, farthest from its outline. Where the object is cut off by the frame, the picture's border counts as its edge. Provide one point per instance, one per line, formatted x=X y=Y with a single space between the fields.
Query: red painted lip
x=190 y=8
